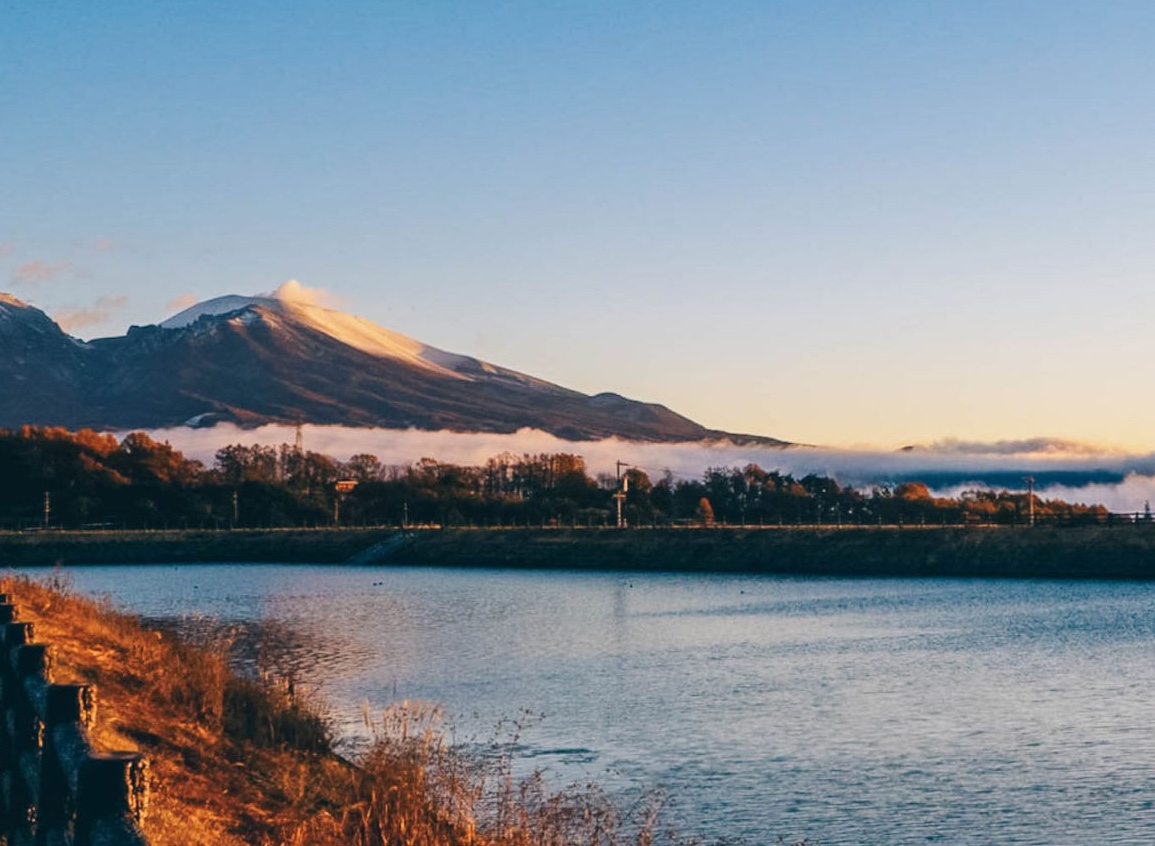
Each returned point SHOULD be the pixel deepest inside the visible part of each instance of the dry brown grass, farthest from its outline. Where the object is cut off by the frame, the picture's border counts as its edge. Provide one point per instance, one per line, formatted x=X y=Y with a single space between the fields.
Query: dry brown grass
x=154 y=695
x=224 y=752
x=242 y=761
x=413 y=789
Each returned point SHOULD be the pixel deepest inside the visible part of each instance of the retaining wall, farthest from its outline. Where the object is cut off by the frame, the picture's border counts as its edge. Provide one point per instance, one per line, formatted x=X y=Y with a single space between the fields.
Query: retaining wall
x=54 y=788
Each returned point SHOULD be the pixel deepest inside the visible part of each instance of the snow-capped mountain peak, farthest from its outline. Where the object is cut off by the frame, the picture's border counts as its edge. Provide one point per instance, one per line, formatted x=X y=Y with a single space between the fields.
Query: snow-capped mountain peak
x=283 y=357
x=356 y=332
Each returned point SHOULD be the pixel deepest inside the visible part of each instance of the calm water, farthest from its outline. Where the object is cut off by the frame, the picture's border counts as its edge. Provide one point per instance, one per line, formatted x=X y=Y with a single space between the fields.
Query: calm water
x=867 y=711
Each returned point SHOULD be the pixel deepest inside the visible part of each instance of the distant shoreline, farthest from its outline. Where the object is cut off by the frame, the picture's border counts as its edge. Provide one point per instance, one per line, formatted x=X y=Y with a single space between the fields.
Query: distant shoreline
x=1085 y=552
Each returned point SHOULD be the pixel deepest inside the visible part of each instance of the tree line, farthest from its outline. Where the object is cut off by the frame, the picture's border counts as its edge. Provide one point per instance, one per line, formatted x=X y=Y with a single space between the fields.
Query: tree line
x=56 y=478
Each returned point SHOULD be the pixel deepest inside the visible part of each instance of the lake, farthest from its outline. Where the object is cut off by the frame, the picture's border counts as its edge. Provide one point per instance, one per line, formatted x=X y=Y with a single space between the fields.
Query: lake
x=851 y=711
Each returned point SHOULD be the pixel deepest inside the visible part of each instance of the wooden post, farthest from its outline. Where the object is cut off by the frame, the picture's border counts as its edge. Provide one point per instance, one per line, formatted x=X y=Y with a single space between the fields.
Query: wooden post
x=14 y=804
x=17 y=634
x=55 y=789
x=29 y=663
x=111 y=797
x=69 y=710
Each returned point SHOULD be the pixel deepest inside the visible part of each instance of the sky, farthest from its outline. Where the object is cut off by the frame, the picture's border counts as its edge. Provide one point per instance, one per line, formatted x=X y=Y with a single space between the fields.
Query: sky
x=838 y=223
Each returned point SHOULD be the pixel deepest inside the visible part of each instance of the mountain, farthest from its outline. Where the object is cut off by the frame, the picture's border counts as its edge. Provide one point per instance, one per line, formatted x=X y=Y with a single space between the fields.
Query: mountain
x=280 y=359
x=42 y=370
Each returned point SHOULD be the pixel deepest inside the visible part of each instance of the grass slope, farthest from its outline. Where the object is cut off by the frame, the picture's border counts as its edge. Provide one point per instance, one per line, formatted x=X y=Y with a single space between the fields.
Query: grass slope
x=241 y=761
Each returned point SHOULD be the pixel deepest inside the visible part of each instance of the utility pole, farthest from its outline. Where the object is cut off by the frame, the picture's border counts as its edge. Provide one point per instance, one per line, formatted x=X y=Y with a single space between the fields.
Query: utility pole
x=236 y=510
x=405 y=517
x=620 y=496
x=1030 y=480
x=47 y=509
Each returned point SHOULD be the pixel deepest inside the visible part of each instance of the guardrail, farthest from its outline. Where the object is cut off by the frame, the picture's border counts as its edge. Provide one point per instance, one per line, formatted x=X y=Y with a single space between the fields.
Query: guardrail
x=54 y=788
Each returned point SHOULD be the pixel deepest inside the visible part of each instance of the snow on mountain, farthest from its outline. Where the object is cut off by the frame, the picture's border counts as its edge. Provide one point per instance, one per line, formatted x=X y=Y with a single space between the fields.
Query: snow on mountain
x=214 y=307
x=376 y=340
x=302 y=305
x=20 y=316
x=357 y=332
x=283 y=357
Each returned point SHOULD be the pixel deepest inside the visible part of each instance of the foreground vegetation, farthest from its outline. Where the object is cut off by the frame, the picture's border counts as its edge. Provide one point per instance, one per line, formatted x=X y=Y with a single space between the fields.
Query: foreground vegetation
x=60 y=479
x=241 y=760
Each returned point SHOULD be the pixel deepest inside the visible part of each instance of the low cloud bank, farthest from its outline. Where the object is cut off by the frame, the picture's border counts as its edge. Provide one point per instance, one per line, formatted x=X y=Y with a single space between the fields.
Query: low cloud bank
x=1062 y=469
x=1020 y=447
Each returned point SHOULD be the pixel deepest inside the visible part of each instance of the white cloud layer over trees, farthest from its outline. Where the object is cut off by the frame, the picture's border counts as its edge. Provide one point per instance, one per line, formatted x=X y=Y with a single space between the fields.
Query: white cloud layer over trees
x=1073 y=472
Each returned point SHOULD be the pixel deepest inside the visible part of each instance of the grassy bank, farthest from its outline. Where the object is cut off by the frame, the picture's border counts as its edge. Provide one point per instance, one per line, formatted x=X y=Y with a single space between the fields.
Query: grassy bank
x=1126 y=551
x=157 y=695
x=244 y=761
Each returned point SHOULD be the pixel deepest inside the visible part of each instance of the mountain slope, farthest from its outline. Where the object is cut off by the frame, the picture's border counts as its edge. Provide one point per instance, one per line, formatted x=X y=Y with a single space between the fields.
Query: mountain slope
x=256 y=360
x=42 y=370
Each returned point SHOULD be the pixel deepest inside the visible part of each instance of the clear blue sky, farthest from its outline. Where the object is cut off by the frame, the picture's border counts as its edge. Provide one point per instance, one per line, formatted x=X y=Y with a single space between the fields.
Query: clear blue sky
x=833 y=222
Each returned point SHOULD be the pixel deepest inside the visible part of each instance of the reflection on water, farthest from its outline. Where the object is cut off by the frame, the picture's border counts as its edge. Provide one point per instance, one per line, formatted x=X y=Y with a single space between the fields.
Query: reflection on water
x=855 y=711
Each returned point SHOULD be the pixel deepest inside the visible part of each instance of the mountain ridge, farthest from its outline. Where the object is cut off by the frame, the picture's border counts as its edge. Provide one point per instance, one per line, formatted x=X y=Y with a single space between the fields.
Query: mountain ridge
x=278 y=359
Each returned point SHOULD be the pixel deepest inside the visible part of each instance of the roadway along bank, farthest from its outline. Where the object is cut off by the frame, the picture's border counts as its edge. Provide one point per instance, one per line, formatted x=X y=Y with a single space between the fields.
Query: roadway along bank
x=1076 y=552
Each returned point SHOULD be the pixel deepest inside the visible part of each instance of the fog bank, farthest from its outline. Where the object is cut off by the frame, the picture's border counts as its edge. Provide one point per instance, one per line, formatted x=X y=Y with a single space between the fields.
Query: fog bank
x=1070 y=471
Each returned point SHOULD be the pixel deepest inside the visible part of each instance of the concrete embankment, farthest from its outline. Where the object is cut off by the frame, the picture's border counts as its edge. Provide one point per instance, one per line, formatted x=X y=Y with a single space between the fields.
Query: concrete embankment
x=313 y=546
x=1078 y=552
x=1087 y=552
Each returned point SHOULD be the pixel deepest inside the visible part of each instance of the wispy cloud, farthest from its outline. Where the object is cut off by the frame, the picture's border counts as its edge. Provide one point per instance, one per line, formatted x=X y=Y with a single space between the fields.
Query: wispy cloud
x=104 y=308
x=38 y=270
x=294 y=292
x=180 y=303
x=101 y=244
